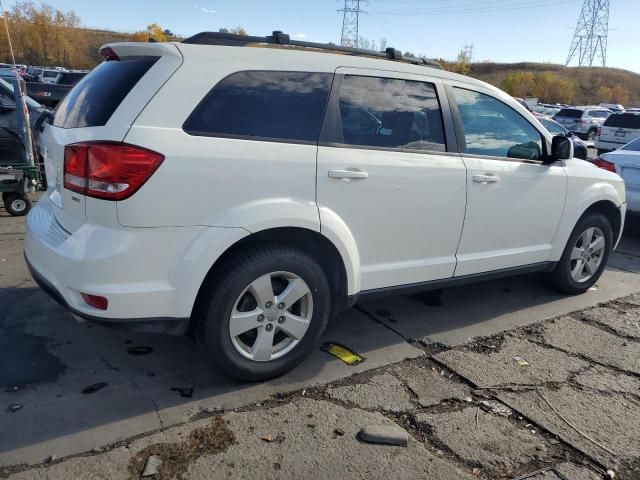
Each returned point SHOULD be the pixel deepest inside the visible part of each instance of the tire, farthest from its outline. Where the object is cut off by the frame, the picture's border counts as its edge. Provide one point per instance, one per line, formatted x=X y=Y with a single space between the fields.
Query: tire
x=231 y=292
x=17 y=204
x=562 y=277
x=591 y=134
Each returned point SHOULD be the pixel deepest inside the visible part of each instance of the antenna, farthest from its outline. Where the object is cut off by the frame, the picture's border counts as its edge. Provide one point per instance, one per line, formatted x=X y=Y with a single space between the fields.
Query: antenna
x=589 y=43
x=350 y=18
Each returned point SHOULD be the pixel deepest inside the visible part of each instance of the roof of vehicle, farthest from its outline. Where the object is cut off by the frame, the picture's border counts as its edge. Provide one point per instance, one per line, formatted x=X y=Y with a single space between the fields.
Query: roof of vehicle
x=337 y=56
x=278 y=38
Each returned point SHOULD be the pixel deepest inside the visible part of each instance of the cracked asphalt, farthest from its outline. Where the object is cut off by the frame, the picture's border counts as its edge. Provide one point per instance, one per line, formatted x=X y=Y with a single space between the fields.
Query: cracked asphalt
x=498 y=380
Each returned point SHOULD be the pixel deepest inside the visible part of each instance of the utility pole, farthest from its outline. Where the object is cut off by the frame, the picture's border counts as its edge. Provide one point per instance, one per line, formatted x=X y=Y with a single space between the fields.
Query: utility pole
x=350 y=19
x=468 y=52
x=589 y=43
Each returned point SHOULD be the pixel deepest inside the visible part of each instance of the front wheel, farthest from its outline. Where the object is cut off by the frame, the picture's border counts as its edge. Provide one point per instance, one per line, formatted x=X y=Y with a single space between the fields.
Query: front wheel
x=263 y=313
x=17 y=204
x=585 y=256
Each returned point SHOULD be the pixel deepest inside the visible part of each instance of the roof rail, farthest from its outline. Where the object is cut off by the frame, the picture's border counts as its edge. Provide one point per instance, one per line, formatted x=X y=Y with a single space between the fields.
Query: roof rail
x=279 y=38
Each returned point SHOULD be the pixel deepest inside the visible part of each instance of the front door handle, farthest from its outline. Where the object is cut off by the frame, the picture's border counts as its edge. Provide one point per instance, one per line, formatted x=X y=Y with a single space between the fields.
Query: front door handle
x=487 y=178
x=348 y=174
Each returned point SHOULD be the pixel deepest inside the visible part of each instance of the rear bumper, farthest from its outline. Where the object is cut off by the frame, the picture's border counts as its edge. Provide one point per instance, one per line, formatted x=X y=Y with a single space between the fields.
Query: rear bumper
x=138 y=270
x=171 y=326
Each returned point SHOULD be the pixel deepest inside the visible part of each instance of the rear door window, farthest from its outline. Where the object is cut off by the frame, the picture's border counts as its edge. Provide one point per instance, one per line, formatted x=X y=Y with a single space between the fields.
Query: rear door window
x=276 y=106
x=387 y=113
x=623 y=120
x=94 y=99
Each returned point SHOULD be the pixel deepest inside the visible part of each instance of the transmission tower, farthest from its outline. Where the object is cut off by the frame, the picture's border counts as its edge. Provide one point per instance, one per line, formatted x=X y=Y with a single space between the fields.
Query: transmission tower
x=350 y=17
x=590 y=39
x=468 y=52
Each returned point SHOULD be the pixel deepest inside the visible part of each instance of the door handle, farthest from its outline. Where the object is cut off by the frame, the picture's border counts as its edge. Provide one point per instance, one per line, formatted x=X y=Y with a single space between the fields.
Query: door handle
x=487 y=178
x=348 y=174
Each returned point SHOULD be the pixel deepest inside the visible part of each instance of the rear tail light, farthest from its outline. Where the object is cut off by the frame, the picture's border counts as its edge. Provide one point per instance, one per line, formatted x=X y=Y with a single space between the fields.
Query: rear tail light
x=599 y=162
x=108 y=170
x=582 y=122
x=95 y=301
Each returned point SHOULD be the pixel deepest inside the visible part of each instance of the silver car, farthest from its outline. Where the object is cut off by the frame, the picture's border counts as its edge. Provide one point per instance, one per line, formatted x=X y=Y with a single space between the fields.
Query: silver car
x=582 y=121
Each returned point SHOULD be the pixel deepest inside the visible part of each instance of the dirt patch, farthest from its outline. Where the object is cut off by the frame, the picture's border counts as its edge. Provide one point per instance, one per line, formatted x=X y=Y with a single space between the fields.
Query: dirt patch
x=176 y=457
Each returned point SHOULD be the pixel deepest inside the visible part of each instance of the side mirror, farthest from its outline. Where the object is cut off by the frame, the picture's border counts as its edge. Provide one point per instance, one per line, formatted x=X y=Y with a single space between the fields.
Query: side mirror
x=561 y=148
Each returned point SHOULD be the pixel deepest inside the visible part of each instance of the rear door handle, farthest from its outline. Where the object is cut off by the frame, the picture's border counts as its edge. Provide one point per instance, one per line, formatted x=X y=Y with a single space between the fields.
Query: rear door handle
x=348 y=174
x=487 y=178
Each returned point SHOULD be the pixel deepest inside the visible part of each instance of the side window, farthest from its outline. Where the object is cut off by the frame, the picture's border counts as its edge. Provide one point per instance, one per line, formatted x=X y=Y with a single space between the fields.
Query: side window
x=388 y=113
x=283 y=106
x=493 y=128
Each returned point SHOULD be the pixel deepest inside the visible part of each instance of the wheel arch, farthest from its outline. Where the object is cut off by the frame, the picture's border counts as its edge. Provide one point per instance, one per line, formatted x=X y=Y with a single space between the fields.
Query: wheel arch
x=611 y=212
x=314 y=243
x=607 y=206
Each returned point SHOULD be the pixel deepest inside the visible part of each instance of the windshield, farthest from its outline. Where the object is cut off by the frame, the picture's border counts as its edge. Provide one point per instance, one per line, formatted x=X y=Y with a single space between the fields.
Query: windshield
x=633 y=145
x=623 y=120
x=8 y=86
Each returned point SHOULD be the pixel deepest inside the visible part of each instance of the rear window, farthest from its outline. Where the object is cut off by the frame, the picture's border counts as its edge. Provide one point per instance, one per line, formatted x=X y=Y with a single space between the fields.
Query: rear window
x=94 y=99
x=279 y=106
x=570 y=113
x=623 y=120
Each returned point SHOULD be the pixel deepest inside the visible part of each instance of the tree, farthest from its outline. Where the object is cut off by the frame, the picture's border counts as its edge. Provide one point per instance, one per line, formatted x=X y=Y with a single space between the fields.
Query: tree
x=462 y=63
x=239 y=31
x=619 y=95
x=153 y=31
x=604 y=94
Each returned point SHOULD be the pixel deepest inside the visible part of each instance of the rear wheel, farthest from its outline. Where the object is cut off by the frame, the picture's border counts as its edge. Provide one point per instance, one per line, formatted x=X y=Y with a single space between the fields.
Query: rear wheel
x=592 y=134
x=263 y=313
x=17 y=204
x=585 y=256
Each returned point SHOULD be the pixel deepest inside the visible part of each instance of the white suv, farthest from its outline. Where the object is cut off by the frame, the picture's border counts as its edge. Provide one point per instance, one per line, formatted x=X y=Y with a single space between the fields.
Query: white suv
x=247 y=188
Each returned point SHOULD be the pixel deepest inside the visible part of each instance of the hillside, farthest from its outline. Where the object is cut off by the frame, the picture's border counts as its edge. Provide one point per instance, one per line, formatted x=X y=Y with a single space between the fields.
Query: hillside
x=588 y=80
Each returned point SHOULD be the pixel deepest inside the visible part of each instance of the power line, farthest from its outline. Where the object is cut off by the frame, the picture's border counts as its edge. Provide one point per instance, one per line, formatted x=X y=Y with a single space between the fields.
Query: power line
x=589 y=42
x=498 y=6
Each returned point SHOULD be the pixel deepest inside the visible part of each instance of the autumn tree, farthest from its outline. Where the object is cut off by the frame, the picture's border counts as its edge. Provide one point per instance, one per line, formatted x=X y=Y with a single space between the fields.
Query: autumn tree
x=619 y=95
x=604 y=94
x=462 y=65
x=153 y=31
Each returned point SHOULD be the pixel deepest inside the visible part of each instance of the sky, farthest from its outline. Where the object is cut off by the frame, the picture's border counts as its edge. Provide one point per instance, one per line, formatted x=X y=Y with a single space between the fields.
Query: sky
x=500 y=30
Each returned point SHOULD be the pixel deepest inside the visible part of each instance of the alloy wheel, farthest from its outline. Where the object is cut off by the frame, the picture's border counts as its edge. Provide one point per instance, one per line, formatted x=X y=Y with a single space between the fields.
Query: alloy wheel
x=587 y=254
x=271 y=316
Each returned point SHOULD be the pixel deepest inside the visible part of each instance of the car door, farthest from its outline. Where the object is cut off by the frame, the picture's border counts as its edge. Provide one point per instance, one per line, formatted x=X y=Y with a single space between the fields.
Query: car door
x=388 y=170
x=514 y=200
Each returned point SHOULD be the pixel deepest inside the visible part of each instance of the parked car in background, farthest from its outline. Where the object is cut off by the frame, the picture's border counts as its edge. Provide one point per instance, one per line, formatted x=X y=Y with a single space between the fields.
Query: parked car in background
x=625 y=162
x=50 y=94
x=545 y=110
x=583 y=121
x=614 y=107
x=579 y=147
x=618 y=129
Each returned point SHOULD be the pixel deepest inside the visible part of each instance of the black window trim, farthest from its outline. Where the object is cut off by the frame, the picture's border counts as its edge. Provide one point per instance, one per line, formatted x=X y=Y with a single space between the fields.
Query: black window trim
x=254 y=138
x=333 y=110
x=457 y=120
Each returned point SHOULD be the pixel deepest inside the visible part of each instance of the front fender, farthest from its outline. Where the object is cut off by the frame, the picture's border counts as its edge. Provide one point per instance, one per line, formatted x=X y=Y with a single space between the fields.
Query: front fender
x=578 y=202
